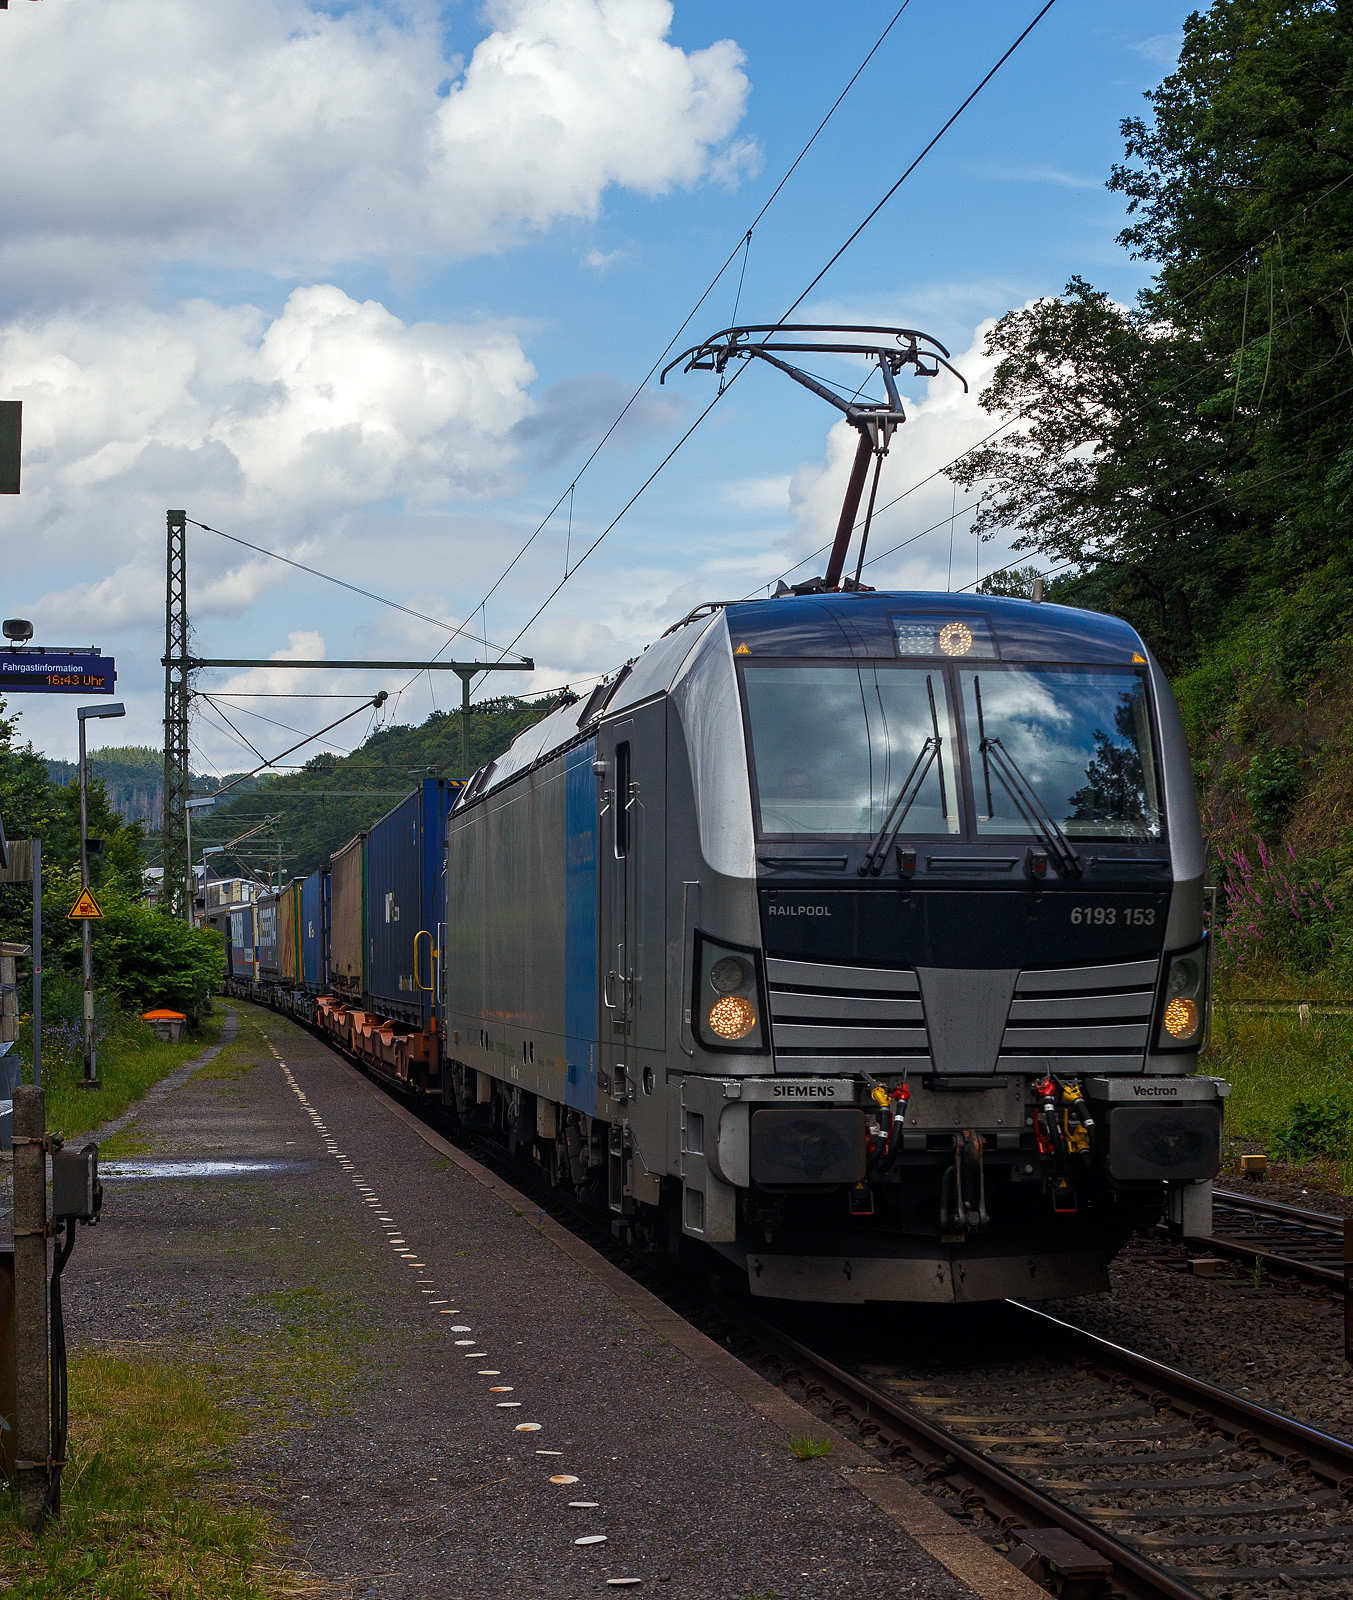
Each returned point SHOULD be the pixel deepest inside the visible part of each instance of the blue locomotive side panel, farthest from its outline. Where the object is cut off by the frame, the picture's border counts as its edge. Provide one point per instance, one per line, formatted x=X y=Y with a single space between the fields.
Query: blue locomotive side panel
x=312 y=929
x=580 y=928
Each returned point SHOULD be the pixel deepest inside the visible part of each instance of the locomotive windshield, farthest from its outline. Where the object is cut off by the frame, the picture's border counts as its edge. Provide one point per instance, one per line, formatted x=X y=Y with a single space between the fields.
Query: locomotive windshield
x=835 y=744
x=1080 y=740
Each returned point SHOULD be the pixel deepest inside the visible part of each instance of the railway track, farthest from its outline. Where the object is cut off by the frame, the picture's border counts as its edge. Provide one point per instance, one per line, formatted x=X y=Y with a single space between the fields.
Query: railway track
x=1308 y=1245
x=1175 y=1487
x=1097 y=1471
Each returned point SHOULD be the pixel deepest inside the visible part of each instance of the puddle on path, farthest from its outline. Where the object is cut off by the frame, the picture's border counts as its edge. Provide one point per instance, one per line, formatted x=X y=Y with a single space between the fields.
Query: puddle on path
x=202 y=1169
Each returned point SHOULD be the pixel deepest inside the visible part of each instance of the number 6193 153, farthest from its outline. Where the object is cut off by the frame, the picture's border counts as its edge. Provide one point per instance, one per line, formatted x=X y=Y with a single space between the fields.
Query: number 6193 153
x=1106 y=916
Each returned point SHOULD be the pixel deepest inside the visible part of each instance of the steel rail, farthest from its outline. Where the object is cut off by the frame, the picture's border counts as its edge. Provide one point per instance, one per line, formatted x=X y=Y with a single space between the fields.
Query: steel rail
x=1321 y=1220
x=1283 y=1436
x=980 y=1481
x=1320 y=1228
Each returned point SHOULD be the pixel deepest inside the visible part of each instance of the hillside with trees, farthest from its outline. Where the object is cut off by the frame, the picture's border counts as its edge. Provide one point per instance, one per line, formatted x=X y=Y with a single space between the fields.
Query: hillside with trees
x=317 y=810
x=1187 y=462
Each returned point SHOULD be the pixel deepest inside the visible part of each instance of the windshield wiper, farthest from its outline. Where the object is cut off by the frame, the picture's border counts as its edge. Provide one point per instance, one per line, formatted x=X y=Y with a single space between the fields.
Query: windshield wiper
x=1023 y=793
x=928 y=756
x=1036 y=817
x=1026 y=800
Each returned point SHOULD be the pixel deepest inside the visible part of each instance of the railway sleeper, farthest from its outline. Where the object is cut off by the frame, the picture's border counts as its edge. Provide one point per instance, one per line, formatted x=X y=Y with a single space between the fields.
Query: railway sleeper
x=1060 y=1563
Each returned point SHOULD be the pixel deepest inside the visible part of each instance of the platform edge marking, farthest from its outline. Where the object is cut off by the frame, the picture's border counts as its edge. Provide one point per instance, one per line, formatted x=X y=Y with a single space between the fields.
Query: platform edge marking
x=955 y=1548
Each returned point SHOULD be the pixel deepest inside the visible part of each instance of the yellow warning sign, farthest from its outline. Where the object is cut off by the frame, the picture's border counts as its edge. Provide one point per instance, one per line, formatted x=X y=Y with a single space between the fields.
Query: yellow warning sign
x=742 y=650
x=1136 y=657
x=85 y=909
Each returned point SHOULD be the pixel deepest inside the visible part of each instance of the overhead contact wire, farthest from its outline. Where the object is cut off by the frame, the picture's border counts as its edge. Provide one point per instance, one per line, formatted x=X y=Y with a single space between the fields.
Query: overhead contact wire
x=798 y=302
x=328 y=577
x=743 y=244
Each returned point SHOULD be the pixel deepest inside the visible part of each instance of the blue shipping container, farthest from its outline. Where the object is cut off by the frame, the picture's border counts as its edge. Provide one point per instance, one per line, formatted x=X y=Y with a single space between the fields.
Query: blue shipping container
x=312 y=929
x=405 y=903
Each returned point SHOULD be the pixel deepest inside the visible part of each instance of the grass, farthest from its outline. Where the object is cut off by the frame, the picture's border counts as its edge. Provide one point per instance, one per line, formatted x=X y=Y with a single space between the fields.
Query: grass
x=1265 y=979
x=1272 y=1062
x=805 y=1447
x=140 y=1517
x=129 y=1063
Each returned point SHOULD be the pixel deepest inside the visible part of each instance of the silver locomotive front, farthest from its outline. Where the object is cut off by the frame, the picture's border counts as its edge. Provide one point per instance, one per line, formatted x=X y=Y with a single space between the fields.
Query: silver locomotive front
x=859 y=936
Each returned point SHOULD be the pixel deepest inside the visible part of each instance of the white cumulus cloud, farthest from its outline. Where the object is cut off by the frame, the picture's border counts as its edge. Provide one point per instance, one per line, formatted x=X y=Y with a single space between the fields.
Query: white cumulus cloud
x=293 y=137
x=333 y=403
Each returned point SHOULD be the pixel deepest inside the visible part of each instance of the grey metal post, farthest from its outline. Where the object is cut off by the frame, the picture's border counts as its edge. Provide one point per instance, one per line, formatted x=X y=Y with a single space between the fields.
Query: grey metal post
x=465 y=678
x=86 y=933
x=114 y=708
x=32 y=1394
x=37 y=960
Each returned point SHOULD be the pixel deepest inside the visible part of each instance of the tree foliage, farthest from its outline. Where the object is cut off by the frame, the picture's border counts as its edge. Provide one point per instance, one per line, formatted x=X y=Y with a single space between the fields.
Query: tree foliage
x=1184 y=460
x=141 y=958
x=334 y=797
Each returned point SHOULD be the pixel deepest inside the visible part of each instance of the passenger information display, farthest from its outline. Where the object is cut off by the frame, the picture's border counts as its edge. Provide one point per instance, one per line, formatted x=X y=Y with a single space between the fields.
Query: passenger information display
x=56 y=672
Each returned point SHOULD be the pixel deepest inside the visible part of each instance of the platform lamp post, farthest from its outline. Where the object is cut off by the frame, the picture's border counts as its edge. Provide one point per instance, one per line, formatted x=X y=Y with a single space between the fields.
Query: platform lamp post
x=117 y=709
x=189 y=806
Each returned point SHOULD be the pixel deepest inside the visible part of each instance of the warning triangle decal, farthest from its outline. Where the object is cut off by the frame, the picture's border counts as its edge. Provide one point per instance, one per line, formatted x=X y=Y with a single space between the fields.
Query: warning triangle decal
x=85 y=909
x=742 y=650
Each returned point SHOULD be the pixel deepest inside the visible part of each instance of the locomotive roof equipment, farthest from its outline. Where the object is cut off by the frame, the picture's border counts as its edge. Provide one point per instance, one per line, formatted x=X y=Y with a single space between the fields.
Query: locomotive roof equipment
x=892 y=349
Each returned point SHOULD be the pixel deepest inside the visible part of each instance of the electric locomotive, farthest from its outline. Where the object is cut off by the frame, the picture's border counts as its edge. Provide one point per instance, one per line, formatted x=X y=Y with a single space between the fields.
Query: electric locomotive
x=857 y=935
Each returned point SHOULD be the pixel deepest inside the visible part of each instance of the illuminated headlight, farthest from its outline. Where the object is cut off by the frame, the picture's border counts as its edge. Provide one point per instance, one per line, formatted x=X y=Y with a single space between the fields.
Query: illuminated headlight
x=1184 y=1003
x=732 y=1017
x=1181 y=1018
x=728 y=1002
x=956 y=638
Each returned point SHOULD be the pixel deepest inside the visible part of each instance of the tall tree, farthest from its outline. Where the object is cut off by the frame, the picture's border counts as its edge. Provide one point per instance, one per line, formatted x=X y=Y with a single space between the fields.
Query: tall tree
x=1189 y=457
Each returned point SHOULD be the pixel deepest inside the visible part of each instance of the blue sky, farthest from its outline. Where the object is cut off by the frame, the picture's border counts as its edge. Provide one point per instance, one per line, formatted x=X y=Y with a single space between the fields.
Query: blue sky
x=367 y=293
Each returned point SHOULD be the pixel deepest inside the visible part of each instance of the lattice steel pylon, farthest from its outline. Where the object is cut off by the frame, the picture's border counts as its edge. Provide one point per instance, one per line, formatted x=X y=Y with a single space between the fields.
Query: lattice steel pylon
x=176 y=892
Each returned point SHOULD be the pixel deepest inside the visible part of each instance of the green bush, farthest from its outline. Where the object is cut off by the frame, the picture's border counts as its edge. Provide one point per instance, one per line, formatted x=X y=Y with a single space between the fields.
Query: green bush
x=142 y=958
x=1317 y=1128
x=1274 y=787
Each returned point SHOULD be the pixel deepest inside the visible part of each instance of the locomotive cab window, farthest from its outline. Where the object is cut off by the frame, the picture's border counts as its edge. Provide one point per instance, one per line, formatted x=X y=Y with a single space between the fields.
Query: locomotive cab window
x=622 y=799
x=1079 y=741
x=833 y=745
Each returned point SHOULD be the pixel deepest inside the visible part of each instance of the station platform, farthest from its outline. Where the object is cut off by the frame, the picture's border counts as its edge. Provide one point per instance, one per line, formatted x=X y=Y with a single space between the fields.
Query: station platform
x=445 y=1392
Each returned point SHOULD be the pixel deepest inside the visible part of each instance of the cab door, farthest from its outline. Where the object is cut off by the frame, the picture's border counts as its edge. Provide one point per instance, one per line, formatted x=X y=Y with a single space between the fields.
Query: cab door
x=615 y=746
x=633 y=873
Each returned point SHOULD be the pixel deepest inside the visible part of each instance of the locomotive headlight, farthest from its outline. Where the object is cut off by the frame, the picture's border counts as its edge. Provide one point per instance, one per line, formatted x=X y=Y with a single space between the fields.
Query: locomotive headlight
x=732 y=1017
x=1183 y=1001
x=728 y=974
x=956 y=638
x=1181 y=1018
x=729 y=999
